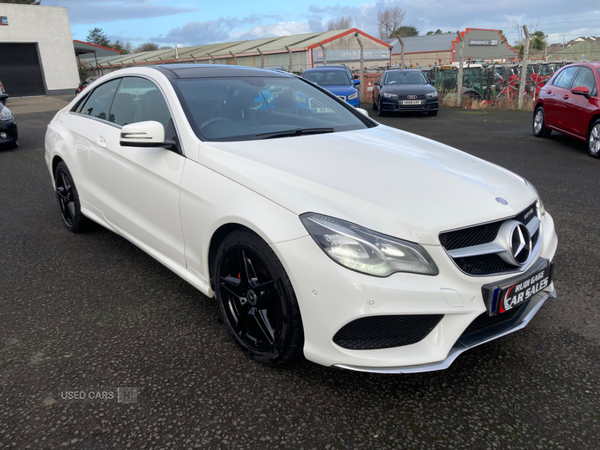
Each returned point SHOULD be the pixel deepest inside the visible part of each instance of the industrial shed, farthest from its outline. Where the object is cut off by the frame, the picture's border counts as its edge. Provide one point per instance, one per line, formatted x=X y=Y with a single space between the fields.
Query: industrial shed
x=435 y=49
x=36 y=51
x=295 y=53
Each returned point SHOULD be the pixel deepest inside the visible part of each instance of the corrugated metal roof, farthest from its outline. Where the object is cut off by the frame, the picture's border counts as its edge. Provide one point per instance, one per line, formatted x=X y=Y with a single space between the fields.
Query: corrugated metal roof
x=417 y=44
x=272 y=44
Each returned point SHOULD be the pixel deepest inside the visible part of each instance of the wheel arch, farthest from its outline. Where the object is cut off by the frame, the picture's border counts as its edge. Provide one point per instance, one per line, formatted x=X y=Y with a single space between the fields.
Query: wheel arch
x=593 y=120
x=55 y=161
x=215 y=241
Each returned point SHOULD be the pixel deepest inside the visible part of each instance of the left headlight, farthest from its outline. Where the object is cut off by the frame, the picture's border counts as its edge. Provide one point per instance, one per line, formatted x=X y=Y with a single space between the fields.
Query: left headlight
x=433 y=94
x=367 y=251
x=539 y=205
x=5 y=114
x=353 y=96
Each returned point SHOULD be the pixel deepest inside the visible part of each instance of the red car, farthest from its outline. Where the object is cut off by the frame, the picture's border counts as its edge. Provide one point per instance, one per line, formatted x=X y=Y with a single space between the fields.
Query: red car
x=570 y=103
x=85 y=84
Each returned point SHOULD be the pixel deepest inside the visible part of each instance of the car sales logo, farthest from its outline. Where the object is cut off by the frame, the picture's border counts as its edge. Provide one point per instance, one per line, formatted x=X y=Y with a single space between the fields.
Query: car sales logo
x=518 y=293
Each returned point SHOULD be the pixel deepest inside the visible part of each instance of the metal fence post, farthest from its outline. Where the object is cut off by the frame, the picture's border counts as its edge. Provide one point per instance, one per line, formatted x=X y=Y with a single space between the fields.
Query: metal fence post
x=401 y=52
x=290 y=52
x=459 y=81
x=362 y=66
x=524 y=69
x=234 y=57
x=262 y=58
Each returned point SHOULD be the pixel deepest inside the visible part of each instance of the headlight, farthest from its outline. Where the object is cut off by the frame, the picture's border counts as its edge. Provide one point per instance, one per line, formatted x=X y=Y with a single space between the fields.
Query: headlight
x=366 y=251
x=433 y=94
x=539 y=205
x=5 y=114
x=353 y=96
x=300 y=99
x=388 y=95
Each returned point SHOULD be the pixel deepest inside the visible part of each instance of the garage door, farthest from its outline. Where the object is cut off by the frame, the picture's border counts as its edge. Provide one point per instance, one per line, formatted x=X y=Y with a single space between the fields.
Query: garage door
x=20 y=70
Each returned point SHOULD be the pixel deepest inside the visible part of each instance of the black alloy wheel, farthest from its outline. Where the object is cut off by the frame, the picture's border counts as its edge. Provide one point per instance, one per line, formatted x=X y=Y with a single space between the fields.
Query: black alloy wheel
x=380 y=111
x=257 y=300
x=68 y=200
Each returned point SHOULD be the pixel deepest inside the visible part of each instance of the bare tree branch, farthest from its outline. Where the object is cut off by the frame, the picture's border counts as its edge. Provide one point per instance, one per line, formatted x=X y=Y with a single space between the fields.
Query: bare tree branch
x=341 y=23
x=389 y=20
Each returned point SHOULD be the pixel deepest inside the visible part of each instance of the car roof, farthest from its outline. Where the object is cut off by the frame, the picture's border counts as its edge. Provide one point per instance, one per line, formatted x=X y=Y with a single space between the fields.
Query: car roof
x=325 y=68
x=173 y=71
x=404 y=70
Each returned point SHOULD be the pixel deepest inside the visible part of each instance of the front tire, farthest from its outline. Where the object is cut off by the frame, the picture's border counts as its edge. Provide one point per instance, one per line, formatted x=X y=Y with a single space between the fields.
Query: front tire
x=594 y=140
x=374 y=104
x=256 y=299
x=539 y=123
x=380 y=111
x=68 y=199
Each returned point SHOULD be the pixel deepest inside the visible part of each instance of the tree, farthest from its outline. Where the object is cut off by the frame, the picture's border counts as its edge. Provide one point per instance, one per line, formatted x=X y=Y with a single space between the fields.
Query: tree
x=22 y=2
x=341 y=23
x=389 y=20
x=146 y=47
x=406 y=30
x=98 y=37
x=124 y=48
x=438 y=31
x=165 y=47
x=538 y=41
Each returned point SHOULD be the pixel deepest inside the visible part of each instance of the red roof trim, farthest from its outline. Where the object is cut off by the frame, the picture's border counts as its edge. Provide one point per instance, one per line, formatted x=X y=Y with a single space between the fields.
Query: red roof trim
x=99 y=46
x=346 y=33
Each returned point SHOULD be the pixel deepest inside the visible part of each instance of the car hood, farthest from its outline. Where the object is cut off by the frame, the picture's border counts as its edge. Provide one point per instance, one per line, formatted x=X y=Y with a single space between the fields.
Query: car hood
x=381 y=178
x=340 y=89
x=408 y=88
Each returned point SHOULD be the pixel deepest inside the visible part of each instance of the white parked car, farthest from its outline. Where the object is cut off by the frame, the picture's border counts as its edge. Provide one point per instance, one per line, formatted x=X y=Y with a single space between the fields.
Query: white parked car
x=316 y=229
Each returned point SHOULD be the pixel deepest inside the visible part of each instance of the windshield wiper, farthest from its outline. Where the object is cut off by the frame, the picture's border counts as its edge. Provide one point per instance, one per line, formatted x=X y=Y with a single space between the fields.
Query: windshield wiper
x=293 y=132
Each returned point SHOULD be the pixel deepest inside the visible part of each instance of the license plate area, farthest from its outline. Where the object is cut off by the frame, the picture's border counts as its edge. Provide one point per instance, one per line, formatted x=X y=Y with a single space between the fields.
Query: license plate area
x=511 y=293
x=411 y=102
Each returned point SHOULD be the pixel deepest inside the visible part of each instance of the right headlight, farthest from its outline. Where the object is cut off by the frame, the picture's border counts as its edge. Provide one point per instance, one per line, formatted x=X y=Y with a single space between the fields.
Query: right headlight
x=367 y=251
x=389 y=95
x=5 y=114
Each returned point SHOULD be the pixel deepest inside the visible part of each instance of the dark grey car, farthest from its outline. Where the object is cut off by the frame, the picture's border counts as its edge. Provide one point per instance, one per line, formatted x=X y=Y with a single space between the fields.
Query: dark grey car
x=404 y=90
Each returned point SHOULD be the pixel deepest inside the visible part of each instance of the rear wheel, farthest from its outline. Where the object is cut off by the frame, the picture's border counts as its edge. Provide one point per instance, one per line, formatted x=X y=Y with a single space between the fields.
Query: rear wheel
x=257 y=300
x=68 y=199
x=594 y=140
x=539 y=120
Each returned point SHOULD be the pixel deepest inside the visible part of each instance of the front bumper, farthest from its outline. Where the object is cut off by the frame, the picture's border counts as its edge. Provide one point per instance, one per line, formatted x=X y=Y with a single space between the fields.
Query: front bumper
x=392 y=105
x=10 y=132
x=331 y=297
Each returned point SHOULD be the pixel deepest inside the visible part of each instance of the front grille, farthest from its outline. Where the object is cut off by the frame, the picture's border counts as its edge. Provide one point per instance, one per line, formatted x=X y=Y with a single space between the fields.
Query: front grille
x=376 y=332
x=484 y=264
x=485 y=321
x=468 y=237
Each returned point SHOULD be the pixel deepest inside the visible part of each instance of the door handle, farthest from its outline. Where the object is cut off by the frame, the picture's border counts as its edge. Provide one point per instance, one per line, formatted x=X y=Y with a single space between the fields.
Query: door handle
x=565 y=97
x=549 y=92
x=100 y=142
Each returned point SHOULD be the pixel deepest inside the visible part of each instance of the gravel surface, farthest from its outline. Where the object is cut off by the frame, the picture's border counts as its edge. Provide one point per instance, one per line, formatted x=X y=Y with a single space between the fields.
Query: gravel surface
x=92 y=313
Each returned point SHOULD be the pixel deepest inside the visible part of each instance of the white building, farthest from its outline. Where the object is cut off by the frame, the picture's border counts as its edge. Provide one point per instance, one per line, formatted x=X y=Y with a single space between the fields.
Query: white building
x=36 y=51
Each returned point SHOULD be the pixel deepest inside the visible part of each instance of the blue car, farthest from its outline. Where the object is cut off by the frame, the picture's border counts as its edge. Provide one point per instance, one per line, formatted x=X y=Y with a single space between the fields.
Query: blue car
x=336 y=81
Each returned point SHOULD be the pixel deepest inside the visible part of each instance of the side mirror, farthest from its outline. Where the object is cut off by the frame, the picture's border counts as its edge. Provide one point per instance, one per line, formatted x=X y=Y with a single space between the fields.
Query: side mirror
x=356 y=76
x=356 y=82
x=581 y=90
x=143 y=134
x=377 y=83
x=363 y=111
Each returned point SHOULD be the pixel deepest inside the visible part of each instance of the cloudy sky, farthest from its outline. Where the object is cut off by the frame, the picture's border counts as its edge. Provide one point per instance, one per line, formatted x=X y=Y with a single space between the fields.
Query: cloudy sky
x=196 y=22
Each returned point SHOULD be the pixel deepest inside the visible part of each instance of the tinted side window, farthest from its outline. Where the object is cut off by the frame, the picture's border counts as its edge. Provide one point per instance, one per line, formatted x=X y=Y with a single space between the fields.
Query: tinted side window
x=564 y=79
x=585 y=77
x=139 y=100
x=98 y=103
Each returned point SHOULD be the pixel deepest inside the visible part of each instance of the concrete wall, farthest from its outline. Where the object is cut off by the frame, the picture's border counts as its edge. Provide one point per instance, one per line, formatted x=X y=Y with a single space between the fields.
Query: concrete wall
x=49 y=27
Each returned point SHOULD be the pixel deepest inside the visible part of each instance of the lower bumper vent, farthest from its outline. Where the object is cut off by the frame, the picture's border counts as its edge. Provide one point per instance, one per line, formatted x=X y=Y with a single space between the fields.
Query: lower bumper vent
x=377 y=332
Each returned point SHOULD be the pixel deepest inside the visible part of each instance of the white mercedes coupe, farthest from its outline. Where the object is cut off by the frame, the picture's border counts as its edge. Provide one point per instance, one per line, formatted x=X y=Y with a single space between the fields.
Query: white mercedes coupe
x=316 y=229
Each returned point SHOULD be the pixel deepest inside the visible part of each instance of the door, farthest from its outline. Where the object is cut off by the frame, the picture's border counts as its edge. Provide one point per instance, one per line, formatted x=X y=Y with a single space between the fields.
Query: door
x=138 y=187
x=579 y=108
x=554 y=104
x=20 y=70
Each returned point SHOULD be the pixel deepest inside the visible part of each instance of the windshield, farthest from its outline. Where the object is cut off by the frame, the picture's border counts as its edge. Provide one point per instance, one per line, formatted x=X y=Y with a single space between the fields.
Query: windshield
x=245 y=108
x=405 y=78
x=331 y=78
